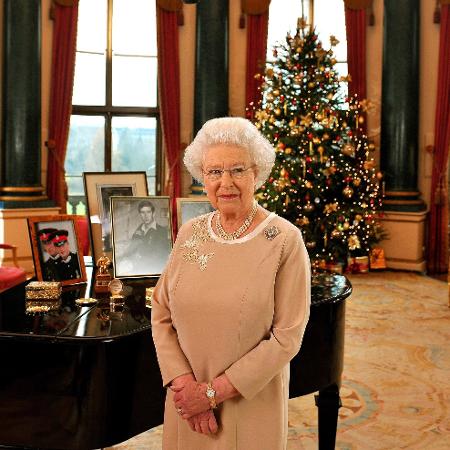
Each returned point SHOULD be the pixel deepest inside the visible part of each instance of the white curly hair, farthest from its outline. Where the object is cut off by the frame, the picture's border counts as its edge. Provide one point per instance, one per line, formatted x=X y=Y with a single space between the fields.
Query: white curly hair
x=230 y=131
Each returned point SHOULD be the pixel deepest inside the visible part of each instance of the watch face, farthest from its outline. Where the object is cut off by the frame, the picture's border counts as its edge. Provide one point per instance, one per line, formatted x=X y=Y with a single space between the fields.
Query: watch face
x=115 y=286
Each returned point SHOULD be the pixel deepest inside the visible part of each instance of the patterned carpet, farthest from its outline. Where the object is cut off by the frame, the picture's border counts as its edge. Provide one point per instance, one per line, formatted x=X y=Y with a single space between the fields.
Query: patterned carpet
x=396 y=382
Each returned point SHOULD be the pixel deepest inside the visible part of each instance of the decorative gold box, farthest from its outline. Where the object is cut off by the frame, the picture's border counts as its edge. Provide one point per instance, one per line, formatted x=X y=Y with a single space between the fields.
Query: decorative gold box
x=43 y=290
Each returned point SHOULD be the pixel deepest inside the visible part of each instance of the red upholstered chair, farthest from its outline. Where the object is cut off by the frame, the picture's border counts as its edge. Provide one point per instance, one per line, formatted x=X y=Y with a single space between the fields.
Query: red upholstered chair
x=10 y=276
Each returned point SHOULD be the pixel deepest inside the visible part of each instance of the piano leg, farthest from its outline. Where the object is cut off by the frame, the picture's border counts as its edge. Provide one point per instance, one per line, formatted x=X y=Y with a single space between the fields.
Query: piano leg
x=328 y=402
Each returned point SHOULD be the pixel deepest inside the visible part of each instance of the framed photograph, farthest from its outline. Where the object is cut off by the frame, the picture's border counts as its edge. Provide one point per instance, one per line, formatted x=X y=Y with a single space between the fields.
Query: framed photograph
x=141 y=235
x=99 y=187
x=57 y=251
x=188 y=208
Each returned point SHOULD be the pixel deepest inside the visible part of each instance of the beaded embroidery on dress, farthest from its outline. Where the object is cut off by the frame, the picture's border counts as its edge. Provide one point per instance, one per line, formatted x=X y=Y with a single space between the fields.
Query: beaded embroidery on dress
x=199 y=237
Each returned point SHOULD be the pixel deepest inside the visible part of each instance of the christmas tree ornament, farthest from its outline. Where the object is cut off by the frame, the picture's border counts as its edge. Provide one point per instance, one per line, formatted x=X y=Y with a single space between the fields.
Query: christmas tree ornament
x=336 y=234
x=347 y=191
x=353 y=242
x=310 y=244
x=348 y=150
x=356 y=181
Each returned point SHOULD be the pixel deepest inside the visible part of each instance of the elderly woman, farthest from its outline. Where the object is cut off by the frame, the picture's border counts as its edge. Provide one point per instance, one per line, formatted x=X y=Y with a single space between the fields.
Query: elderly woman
x=231 y=307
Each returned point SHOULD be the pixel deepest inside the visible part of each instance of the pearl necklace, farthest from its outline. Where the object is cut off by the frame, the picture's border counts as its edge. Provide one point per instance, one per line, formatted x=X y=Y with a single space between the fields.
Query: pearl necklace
x=242 y=229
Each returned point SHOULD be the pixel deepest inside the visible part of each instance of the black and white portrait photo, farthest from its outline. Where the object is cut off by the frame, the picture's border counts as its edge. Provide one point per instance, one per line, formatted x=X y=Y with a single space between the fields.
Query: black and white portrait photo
x=105 y=192
x=141 y=235
x=56 y=250
x=99 y=187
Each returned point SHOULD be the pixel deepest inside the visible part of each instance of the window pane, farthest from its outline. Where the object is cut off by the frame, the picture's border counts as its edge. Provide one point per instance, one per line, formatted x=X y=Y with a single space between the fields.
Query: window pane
x=134 y=146
x=283 y=15
x=85 y=150
x=89 y=83
x=92 y=22
x=331 y=24
x=134 y=27
x=134 y=81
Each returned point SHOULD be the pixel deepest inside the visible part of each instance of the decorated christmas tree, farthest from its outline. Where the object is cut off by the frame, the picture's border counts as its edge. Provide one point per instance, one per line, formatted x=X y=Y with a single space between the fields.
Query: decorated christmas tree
x=324 y=179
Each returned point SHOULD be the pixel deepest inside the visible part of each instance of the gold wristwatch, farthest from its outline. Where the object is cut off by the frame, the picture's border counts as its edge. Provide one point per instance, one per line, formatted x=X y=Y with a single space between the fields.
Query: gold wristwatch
x=211 y=394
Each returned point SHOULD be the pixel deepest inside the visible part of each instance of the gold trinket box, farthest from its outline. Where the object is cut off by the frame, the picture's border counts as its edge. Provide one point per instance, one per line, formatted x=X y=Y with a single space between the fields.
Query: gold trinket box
x=34 y=307
x=43 y=290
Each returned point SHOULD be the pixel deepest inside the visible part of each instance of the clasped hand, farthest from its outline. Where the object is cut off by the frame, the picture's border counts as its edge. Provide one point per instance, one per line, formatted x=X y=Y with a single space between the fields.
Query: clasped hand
x=193 y=405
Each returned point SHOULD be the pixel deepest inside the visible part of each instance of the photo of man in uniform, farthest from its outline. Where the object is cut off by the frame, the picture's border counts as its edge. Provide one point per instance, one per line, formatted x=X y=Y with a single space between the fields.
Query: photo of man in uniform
x=68 y=267
x=50 y=255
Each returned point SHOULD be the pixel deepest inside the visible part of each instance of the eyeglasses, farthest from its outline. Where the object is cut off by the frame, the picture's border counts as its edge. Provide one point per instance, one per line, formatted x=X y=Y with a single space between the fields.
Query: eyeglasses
x=236 y=173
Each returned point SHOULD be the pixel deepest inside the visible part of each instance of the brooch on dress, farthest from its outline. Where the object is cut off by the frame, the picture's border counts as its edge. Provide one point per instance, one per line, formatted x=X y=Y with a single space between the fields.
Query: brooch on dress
x=271 y=232
x=192 y=245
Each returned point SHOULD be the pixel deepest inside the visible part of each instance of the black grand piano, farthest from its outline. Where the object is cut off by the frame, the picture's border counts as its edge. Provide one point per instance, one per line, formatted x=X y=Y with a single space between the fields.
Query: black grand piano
x=85 y=377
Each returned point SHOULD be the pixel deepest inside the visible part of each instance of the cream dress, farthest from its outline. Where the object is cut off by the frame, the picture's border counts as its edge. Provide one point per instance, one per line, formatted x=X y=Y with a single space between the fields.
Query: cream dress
x=238 y=307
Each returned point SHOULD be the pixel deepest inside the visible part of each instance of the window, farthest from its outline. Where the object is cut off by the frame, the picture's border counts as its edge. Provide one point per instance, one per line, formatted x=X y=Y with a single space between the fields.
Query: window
x=283 y=16
x=115 y=118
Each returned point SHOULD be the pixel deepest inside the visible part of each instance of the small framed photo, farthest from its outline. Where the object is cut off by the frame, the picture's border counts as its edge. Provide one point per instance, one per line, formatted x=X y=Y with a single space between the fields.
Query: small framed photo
x=99 y=187
x=188 y=208
x=57 y=251
x=141 y=235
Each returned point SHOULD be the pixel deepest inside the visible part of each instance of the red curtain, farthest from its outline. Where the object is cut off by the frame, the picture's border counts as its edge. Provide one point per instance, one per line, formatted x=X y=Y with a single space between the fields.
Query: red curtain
x=63 y=66
x=257 y=26
x=169 y=98
x=437 y=248
x=355 y=23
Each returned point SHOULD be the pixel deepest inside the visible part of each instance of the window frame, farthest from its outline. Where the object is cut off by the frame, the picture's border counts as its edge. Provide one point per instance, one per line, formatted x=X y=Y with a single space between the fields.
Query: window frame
x=108 y=111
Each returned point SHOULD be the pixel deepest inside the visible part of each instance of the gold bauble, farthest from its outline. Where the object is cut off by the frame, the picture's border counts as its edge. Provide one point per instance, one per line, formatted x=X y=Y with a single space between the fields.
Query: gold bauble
x=276 y=92
x=348 y=150
x=269 y=97
x=330 y=96
x=358 y=217
x=325 y=136
x=361 y=119
x=347 y=191
x=288 y=150
x=346 y=225
x=269 y=72
x=333 y=61
x=311 y=84
x=322 y=68
x=380 y=175
x=371 y=146
x=357 y=181
x=310 y=244
x=299 y=50
x=277 y=111
x=308 y=185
